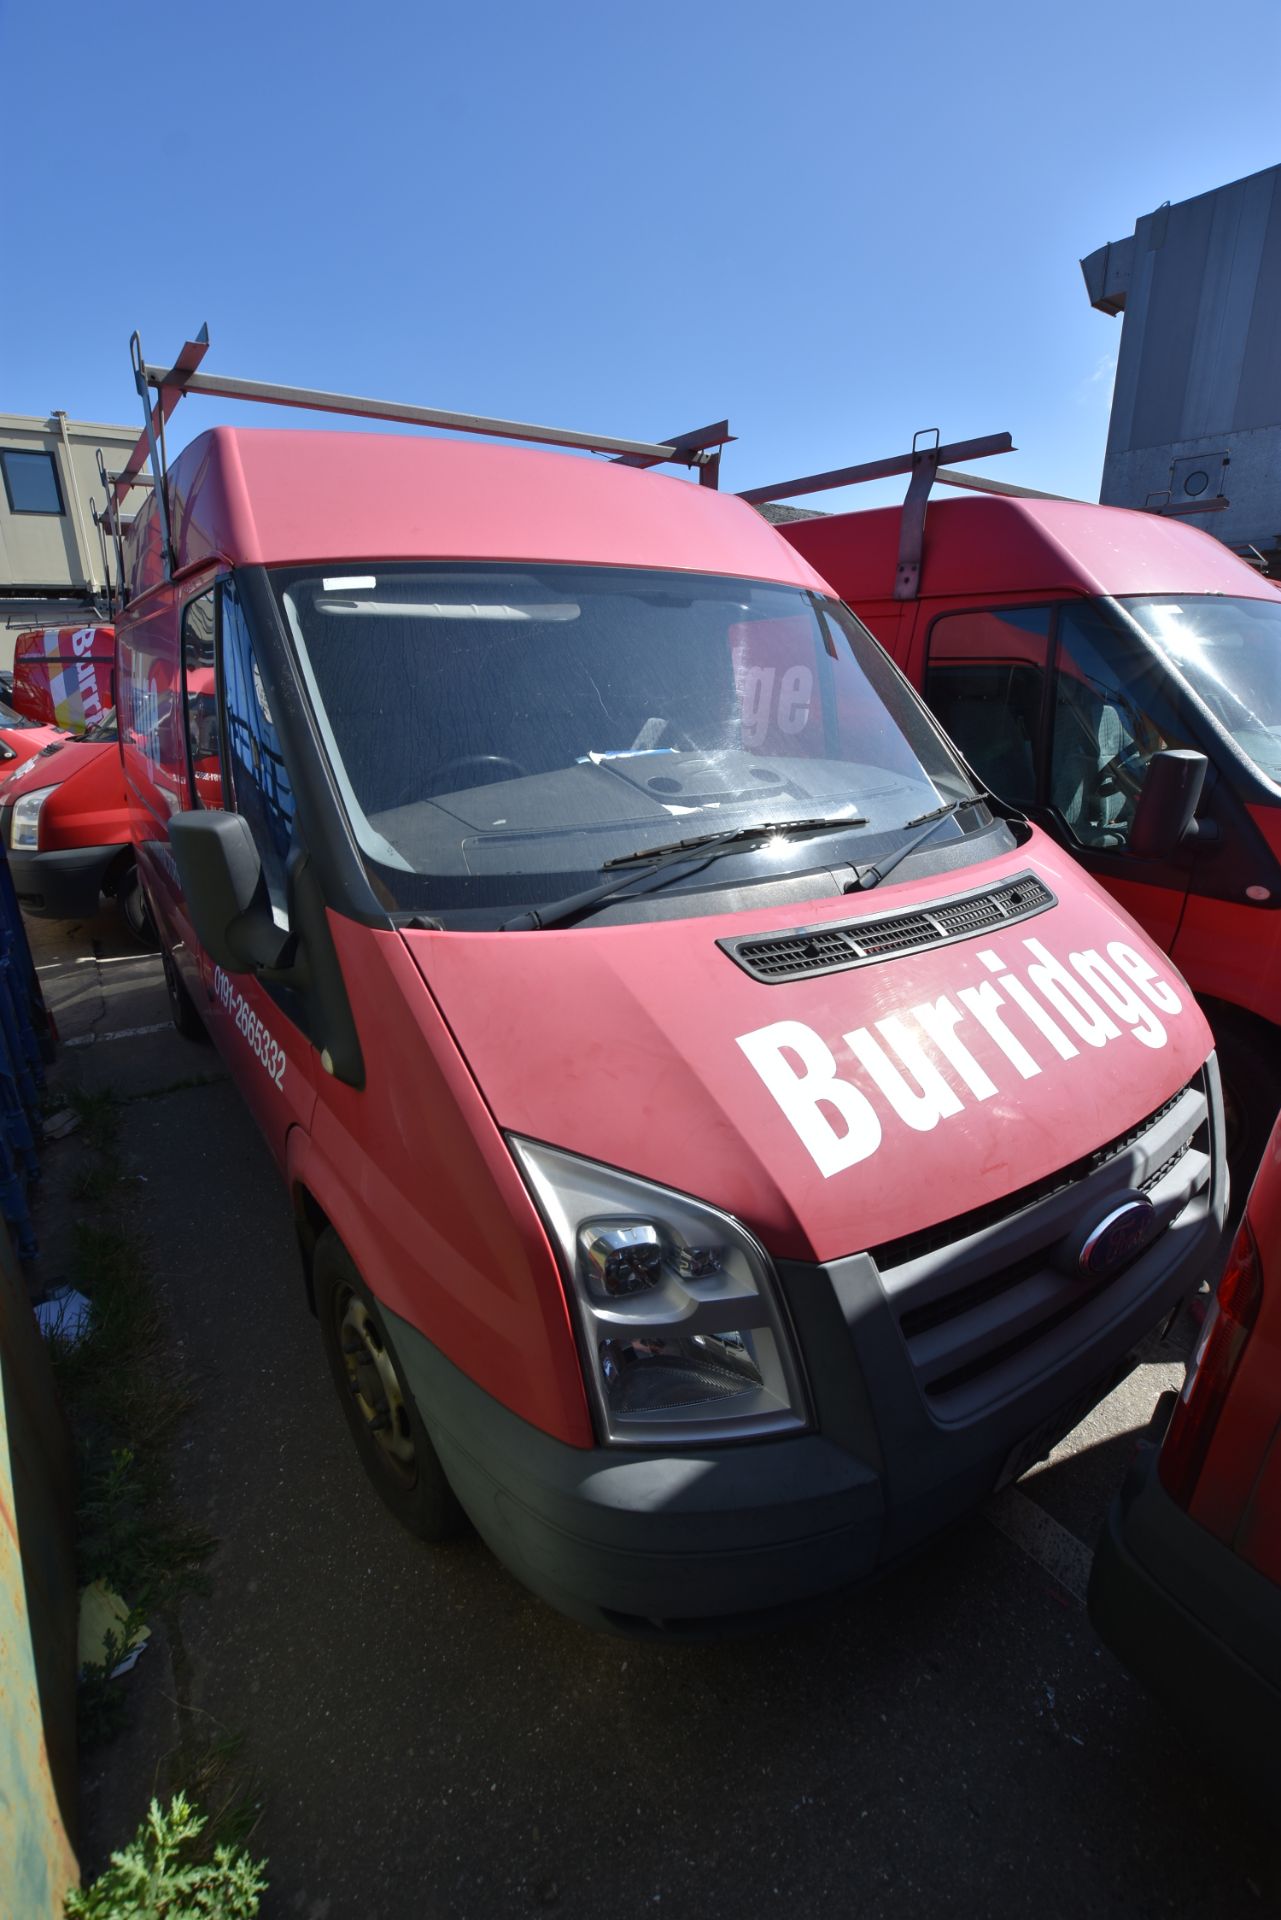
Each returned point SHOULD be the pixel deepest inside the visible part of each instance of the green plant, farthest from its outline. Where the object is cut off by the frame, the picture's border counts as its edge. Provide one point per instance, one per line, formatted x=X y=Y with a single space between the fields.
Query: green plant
x=100 y=1704
x=159 y=1876
x=98 y=1118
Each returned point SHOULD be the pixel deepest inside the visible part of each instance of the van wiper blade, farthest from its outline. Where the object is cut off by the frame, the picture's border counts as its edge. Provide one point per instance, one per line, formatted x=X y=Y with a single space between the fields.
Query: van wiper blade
x=685 y=857
x=929 y=823
x=725 y=836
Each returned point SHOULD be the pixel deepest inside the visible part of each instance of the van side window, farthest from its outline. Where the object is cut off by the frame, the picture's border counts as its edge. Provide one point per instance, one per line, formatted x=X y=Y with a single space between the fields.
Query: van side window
x=260 y=788
x=1108 y=721
x=200 y=700
x=985 y=680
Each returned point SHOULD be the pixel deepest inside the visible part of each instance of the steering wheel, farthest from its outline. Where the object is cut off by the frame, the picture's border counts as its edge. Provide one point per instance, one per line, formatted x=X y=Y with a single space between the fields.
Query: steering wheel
x=432 y=779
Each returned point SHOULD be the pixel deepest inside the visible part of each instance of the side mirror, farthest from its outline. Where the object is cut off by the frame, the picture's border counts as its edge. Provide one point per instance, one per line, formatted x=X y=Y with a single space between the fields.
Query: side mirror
x=1166 y=812
x=226 y=894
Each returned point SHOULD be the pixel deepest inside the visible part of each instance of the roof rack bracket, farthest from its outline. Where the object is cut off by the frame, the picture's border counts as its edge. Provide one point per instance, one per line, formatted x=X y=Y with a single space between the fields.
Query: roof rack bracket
x=700 y=448
x=911 y=537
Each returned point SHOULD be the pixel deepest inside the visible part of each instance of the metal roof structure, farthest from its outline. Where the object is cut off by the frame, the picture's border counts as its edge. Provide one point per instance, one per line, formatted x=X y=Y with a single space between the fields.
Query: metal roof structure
x=1196 y=414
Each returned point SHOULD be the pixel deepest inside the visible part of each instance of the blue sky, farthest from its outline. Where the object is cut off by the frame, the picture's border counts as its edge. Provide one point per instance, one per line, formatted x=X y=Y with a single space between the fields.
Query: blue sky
x=835 y=223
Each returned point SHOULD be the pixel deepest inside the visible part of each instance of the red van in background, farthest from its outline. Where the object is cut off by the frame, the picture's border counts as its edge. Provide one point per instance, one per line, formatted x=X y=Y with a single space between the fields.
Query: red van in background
x=64 y=676
x=66 y=826
x=22 y=739
x=710 y=1234
x=1186 y=1585
x=1079 y=655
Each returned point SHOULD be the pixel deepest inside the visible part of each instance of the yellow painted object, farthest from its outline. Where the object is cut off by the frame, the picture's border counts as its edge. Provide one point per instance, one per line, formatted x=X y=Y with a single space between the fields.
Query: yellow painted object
x=103 y=1615
x=38 y=1611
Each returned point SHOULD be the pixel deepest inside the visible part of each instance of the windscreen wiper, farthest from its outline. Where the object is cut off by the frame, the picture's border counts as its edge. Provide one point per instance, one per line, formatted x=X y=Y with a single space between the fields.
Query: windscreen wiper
x=689 y=856
x=929 y=823
x=759 y=830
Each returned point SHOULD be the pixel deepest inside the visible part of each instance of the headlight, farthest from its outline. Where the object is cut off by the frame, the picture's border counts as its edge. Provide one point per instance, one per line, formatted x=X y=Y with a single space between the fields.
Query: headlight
x=684 y=1338
x=24 y=828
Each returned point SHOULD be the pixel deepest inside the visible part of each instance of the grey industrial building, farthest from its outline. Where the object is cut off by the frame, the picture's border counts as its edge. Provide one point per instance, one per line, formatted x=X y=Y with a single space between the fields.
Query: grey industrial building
x=51 y=569
x=1196 y=415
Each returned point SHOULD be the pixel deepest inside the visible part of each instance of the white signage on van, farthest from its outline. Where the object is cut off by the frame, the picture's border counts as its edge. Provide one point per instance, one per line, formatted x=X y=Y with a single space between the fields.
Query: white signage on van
x=267 y=1050
x=1053 y=1010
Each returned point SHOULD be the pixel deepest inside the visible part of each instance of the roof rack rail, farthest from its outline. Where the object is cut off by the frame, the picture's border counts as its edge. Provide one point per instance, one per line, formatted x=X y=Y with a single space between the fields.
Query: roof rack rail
x=979 y=483
x=700 y=449
x=923 y=463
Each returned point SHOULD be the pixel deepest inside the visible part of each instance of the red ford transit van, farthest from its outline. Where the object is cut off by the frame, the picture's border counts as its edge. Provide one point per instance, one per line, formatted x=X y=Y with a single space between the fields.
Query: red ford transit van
x=1069 y=650
x=1186 y=1583
x=62 y=676
x=68 y=833
x=723 y=1146
x=22 y=739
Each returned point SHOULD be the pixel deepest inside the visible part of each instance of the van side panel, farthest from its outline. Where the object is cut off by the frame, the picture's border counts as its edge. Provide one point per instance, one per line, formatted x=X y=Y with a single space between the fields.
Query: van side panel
x=1231 y=952
x=1238 y=1492
x=87 y=807
x=418 y=1183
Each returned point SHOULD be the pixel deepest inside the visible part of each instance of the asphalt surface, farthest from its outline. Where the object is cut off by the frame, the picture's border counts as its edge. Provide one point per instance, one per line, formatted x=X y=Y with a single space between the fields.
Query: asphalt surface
x=433 y=1741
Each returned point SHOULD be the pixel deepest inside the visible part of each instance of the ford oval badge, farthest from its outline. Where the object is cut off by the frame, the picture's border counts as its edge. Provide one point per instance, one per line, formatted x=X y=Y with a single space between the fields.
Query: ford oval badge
x=1119 y=1237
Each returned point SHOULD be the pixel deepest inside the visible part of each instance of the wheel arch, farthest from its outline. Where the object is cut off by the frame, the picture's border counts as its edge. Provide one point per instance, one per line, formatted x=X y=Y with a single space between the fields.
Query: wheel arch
x=310 y=1221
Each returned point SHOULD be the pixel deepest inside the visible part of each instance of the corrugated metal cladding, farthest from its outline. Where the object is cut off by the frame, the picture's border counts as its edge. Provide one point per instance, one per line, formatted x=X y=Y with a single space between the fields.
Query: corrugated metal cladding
x=1199 y=367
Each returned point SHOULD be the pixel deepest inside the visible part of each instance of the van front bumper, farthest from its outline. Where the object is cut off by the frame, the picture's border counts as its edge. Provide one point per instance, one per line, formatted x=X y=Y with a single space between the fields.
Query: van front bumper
x=65 y=884
x=634 y=1541
x=1193 y=1621
x=938 y=1369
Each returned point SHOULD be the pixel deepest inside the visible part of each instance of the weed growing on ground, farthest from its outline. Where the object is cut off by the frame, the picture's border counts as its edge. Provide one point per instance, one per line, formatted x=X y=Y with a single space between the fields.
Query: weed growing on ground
x=126 y=1398
x=97 y=1115
x=163 y=1873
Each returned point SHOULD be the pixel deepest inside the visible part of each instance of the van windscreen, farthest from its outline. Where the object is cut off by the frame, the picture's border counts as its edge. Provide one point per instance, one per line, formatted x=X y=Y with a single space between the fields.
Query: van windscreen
x=1229 y=652
x=499 y=732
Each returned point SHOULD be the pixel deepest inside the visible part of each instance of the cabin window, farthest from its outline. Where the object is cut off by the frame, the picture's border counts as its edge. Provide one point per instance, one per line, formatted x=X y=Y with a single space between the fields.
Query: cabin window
x=200 y=700
x=1108 y=721
x=31 y=482
x=985 y=681
x=260 y=784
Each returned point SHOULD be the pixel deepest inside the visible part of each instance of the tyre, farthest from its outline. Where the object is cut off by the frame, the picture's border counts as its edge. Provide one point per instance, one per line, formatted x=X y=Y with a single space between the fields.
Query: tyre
x=394 y=1446
x=1250 y=1070
x=132 y=902
x=182 y=1008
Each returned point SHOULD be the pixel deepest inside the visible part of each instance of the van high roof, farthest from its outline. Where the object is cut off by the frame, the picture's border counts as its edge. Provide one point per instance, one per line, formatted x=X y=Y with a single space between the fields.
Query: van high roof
x=992 y=546
x=279 y=496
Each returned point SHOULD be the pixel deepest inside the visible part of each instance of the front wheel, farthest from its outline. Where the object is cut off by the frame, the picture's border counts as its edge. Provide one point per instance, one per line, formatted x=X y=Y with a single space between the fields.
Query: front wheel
x=132 y=902
x=394 y=1446
x=182 y=1008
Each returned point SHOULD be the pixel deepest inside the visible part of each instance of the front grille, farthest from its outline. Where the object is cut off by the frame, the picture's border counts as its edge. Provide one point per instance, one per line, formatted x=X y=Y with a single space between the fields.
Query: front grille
x=985 y=1301
x=859 y=943
x=913 y=1246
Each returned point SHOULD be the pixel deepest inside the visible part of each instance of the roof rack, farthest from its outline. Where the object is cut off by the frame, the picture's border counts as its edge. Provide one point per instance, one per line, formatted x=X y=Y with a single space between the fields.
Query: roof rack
x=699 y=449
x=923 y=463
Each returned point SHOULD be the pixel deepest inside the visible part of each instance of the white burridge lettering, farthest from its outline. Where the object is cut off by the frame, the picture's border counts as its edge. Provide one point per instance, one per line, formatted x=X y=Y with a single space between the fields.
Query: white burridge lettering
x=922 y=1106
x=902 y=1055
x=940 y=1019
x=1145 y=977
x=983 y=1002
x=90 y=699
x=1069 y=997
x=1035 y=1012
x=811 y=1096
x=1109 y=987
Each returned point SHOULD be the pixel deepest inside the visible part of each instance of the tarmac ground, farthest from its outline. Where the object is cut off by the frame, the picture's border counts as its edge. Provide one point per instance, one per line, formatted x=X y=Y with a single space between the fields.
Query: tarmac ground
x=433 y=1741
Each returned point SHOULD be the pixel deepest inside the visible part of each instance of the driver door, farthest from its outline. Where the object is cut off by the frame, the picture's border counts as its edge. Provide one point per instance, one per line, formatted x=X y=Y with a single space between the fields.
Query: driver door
x=1060 y=712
